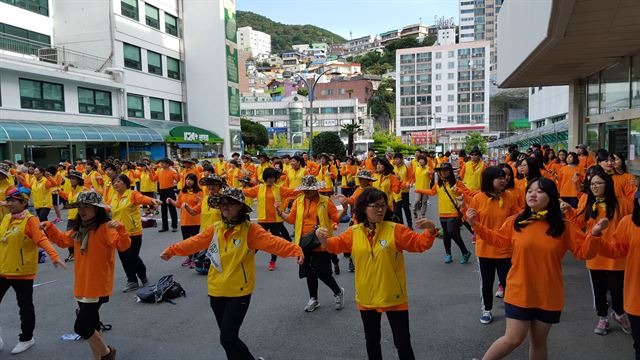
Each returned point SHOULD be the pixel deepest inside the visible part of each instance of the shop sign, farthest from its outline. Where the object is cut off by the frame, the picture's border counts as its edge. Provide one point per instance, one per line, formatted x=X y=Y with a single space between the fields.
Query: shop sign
x=192 y=136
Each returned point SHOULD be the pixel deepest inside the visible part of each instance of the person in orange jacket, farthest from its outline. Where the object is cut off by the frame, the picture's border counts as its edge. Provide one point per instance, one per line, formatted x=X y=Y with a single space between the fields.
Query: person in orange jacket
x=95 y=239
x=377 y=245
x=189 y=198
x=540 y=237
x=231 y=246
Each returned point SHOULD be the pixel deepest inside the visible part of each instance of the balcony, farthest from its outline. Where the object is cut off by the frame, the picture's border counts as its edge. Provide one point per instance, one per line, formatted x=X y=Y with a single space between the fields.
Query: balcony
x=16 y=46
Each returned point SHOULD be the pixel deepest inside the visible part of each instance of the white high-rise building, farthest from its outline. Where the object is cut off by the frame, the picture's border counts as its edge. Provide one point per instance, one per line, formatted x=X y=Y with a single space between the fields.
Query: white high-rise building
x=255 y=42
x=479 y=21
x=442 y=93
x=109 y=79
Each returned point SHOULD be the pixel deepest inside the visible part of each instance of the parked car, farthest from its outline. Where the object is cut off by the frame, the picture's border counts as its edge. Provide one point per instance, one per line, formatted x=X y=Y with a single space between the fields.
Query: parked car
x=290 y=152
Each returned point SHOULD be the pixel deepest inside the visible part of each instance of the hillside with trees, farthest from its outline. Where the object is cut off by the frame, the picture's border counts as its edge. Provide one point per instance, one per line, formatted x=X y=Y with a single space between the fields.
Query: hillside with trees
x=283 y=35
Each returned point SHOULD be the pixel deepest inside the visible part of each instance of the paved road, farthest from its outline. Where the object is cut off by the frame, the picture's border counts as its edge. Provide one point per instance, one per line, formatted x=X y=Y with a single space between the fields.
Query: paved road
x=444 y=311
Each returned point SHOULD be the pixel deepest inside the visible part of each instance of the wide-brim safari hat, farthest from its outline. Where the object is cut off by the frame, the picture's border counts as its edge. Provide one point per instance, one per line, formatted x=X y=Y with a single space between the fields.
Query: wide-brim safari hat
x=88 y=198
x=365 y=174
x=230 y=193
x=75 y=174
x=213 y=179
x=444 y=166
x=310 y=183
x=5 y=170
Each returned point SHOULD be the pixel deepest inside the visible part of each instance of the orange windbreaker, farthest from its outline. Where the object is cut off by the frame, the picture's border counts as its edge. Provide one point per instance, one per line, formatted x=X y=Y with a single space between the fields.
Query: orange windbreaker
x=166 y=177
x=493 y=215
x=193 y=200
x=565 y=180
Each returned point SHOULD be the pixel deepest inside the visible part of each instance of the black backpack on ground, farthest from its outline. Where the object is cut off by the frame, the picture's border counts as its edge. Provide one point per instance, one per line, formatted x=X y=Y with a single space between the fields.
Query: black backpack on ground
x=164 y=290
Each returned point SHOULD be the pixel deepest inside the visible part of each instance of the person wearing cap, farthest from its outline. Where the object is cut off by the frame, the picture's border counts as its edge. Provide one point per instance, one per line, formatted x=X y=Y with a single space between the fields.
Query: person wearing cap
x=269 y=196
x=471 y=172
x=221 y=166
x=190 y=197
x=41 y=186
x=210 y=215
x=401 y=200
x=246 y=183
x=231 y=245
x=377 y=245
x=387 y=181
x=248 y=168
x=125 y=208
x=95 y=239
x=167 y=178
x=264 y=164
x=327 y=173
x=76 y=186
x=309 y=211
x=348 y=173
x=446 y=189
x=422 y=181
x=21 y=238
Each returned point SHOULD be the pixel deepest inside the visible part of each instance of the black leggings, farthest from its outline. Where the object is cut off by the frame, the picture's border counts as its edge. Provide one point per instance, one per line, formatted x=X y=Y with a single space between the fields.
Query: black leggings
x=635 y=332
x=451 y=230
x=607 y=280
x=406 y=205
x=189 y=231
x=131 y=262
x=167 y=209
x=488 y=269
x=43 y=213
x=277 y=229
x=88 y=318
x=24 y=296
x=399 y=321
x=327 y=279
x=230 y=313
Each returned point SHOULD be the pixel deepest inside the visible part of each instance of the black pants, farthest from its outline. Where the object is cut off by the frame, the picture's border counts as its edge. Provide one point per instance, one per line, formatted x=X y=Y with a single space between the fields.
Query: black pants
x=71 y=223
x=603 y=281
x=43 y=213
x=24 y=296
x=451 y=230
x=348 y=191
x=277 y=229
x=399 y=321
x=88 y=318
x=488 y=269
x=571 y=200
x=189 y=231
x=230 y=313
x=327 y=279
x=164 y=195
x=406 y=206
x=131 y=262
x=635 y=332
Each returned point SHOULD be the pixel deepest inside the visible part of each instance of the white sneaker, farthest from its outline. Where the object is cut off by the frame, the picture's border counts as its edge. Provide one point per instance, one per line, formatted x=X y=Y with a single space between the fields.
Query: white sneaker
x=340 y=300
x=312 y=305
x=23 y=346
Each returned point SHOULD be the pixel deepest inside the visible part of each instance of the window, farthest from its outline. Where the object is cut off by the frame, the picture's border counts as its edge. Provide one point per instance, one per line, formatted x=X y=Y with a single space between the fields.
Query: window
x=423 y=89
x=438 y=87
x=280 y=111
x=463 y=97
x=451 y=76
x=450 y=108
x=152 y=16
x=407 y=90
x=329 y=110
x=450 y=86
x=438 y=76
x=477 y=85
x=170 y=24
x=451 y=54
x=451 y=65
x=635 y=82
x=463 y=109
x=438 y=109
x=41 y=95
x=478 y=108
x=614 y=88
x=407 y=101
x=13 y=42
x=438 y=66
x=438 y=98
x=175 y=110
x=404 y=79
x=132 y=57
x=129 y=8
x=135 y=108
x=465 y=86
x=450 y=97
x=156 y=106
x=478 y=97
x=346 y=109
x=94 y=101
x=593 y=93
x=438 y=55
x=173 y=68
x=37 y=6
x=407 y=121
x=154 y=63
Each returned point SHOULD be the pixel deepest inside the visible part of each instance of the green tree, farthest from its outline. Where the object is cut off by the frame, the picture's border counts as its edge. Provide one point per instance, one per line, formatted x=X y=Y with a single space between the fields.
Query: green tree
x=351 y=130
x=303 y=91
x=253 y=134
x=280 y=141
x=383 y=102
x=330 y=143
x=475 y=139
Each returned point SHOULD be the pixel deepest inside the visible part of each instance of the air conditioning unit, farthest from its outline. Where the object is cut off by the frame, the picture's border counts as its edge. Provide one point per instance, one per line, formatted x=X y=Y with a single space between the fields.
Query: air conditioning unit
x=49 y=55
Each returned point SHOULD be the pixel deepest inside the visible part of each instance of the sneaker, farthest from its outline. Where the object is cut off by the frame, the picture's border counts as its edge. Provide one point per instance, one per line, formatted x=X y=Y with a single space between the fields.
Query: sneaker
x=57 y=220
x=500 y=291
x=69 y=258
x=352 y=267
x=603 y=326
x=623 y=321
x=465 y=258
x=174 y=230
x=130 y=286
x=271 y=266
x=312 y=305
x=448 y=259
x=473 y=239
x=486 y=317
x=163 y=230
x=111 y=355
x=340 y=300
x=192 y=265
x=186 y=262
x=336 y=269
x=23 y=346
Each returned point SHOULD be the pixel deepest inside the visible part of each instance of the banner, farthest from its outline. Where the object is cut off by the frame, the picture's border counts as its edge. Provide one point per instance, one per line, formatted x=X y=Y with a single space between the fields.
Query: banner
x=231 y=51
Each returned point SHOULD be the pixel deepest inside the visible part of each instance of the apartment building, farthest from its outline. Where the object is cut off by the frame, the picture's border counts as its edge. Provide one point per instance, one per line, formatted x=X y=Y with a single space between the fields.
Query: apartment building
x=257 y=43
x=479 y=21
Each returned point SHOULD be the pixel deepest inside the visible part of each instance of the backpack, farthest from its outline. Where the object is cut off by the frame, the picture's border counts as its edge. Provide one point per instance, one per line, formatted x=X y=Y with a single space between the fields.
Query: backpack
x=148 y=222
x=202 y=262
x=164 y=290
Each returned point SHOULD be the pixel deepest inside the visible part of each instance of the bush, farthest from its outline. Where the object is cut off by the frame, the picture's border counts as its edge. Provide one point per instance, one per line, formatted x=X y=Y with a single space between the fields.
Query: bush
x=330 y=143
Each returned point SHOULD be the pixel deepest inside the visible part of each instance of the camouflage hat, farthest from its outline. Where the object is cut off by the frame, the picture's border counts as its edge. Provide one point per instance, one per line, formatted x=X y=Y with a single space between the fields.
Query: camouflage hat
x=88 y=198
x=309 y=182
x=75 y=174
x=230 y=193
x=365 y=174
x=245 y=179
x=213 y=179
x=5 y=170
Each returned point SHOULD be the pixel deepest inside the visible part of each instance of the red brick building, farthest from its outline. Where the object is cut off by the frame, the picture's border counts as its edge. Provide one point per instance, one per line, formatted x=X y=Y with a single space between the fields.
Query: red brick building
x=345 y=89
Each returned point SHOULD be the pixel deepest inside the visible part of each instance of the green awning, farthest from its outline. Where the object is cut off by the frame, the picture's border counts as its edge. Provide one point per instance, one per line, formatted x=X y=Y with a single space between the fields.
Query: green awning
x=176 y=132
x=13 y=130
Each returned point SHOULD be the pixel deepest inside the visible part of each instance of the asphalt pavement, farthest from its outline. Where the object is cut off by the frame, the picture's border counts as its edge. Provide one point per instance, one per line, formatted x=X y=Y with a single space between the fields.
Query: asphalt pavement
x=444 y=309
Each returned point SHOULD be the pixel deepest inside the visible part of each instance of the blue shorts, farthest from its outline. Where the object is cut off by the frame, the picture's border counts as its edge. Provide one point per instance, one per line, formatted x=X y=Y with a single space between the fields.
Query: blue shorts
x=528 y=314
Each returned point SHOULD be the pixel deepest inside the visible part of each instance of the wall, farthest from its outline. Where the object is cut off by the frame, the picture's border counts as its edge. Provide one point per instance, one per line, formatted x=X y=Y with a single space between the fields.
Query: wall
x=362 y=90
x=548 y=102
x=25 y=19
x=83 y=27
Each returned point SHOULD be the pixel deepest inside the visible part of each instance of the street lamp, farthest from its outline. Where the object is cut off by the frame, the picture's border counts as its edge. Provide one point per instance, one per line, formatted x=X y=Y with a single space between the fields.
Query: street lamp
x=433 y=118
x=311 y=89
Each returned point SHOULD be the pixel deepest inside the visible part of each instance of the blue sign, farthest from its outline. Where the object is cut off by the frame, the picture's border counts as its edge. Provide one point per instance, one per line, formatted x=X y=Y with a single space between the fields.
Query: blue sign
x=277 y=130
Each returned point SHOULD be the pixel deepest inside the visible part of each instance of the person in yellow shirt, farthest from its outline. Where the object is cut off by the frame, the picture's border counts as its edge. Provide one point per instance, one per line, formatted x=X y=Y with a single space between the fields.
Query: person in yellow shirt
x=148 y=185
x=264 y=164
x=471 y=172
x=221 y=166
x=422 y=176
x=6 y=181
x=293 y=179
x=401 y=200
x=42 y=186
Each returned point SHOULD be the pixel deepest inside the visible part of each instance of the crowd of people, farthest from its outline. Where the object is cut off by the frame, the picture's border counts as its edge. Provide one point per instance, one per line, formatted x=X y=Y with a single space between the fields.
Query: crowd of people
x=524 y=214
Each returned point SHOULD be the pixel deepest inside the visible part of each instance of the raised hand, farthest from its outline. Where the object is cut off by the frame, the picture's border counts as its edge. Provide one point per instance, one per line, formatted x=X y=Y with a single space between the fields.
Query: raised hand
x=600 y=226
x=564 y=206
x=472 y=215
x=426 y=224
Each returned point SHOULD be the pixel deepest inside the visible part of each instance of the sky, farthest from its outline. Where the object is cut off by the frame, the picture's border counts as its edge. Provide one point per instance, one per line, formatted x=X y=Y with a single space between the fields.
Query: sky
x=359 y=17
